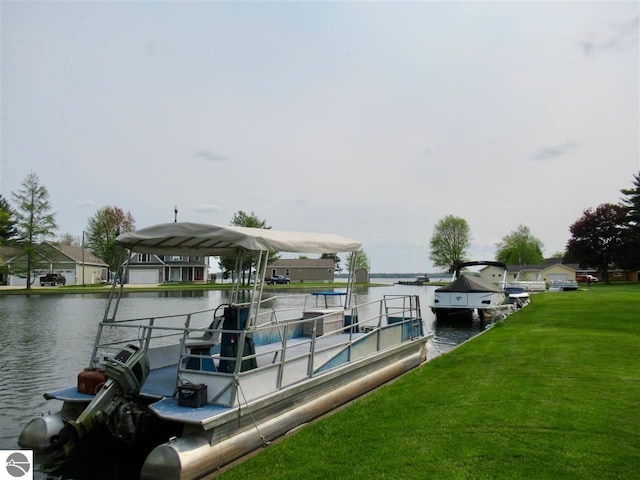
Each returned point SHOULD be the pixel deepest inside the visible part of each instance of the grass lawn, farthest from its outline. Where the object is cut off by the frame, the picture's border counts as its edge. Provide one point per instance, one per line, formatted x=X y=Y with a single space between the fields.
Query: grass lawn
x=551 y=393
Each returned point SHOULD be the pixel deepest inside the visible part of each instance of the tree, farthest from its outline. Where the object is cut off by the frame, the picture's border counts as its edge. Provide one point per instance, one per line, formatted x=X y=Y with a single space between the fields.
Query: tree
x=34 y=219
x=449 y=243
x=361 y=261
x=629 y=255
x=335 y=258
x=7 y=222
x=243 y=219
x=597 y=238
x=102 y=230
x=69 y=239
x=519 y=247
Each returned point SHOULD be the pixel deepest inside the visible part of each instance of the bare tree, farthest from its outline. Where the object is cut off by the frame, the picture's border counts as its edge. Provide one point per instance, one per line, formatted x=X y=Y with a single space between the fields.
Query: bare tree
x=102 y=230
x=69 y=239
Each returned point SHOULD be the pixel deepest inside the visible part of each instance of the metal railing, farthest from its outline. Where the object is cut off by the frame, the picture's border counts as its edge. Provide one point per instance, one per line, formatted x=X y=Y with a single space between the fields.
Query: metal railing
x=282 y=347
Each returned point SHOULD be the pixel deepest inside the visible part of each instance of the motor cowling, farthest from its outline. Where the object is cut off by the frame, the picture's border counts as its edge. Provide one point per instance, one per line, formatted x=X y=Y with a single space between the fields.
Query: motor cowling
x=112 y=406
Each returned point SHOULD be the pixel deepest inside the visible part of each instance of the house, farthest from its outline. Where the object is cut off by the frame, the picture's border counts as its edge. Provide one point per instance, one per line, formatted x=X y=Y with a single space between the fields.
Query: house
x=6 y=253
x=491 y=273
x=619 y=275
x=551 y=270
x=146 y=269
x=78 y=265
x=304 y=269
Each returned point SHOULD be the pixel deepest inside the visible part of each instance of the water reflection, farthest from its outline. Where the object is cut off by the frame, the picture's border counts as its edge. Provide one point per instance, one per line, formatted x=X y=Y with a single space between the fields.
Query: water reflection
x=47 y=340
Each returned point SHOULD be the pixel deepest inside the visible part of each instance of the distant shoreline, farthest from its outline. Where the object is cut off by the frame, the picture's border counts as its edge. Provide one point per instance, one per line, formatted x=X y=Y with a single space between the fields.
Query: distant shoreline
x=168 y=287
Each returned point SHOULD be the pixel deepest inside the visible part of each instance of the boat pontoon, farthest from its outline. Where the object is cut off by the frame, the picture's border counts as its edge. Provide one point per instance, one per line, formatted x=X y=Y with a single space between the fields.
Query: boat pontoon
x=207 y=387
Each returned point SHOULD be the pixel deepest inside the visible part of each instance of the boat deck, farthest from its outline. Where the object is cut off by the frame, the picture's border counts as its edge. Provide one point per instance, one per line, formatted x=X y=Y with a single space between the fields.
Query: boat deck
x=161 y=382
x=169 y=409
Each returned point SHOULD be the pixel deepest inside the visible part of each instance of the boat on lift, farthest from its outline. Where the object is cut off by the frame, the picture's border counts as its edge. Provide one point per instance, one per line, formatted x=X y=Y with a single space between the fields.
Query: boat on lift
x=466 y=293
x=207 y=387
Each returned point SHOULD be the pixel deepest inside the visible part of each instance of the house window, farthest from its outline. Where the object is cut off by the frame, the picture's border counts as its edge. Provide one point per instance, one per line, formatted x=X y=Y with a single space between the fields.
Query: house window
x=195 y=258
x=143 y=258
x=176 y=258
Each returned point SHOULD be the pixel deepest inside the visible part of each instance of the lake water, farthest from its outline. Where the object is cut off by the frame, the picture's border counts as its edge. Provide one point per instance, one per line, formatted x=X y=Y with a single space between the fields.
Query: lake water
x=47 y=340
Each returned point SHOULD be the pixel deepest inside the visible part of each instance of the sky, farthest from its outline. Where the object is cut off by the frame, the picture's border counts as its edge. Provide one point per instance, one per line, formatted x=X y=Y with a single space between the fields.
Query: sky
x=371 y=120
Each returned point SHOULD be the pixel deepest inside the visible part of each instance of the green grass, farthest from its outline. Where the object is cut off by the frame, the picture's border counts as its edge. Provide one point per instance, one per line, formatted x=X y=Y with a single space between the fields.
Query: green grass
x=551 y=393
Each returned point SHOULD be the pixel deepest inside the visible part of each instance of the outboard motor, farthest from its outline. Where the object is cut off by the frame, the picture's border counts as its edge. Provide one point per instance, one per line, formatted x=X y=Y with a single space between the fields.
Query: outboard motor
x=112 y=406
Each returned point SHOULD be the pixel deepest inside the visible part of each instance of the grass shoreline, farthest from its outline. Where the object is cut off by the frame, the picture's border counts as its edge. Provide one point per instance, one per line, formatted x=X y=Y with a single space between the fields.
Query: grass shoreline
x=553 y=392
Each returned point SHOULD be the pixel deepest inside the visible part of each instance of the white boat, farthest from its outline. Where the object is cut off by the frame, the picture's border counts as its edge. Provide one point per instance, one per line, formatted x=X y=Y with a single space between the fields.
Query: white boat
x=563 y=286
x=207 y=387
x=517 y=297
x=530 y=280
x=466 y=293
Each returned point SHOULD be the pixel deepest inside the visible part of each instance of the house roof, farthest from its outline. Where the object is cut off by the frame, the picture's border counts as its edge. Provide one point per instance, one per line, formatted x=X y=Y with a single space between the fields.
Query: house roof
x=303 y=262
x=73 y=254
x=547 y=263
x=76 y=253
x=7 y=252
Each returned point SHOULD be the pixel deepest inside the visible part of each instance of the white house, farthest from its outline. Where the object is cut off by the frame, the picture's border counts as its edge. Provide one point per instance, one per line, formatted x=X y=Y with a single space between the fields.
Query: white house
x=150 y=269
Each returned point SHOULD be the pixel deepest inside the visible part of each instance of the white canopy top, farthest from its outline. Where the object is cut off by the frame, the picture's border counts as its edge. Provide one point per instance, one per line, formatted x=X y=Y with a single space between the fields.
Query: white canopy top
x=186 y=238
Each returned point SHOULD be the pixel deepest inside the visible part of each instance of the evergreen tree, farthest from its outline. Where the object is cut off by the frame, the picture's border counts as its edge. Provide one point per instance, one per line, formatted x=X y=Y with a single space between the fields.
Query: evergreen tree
x=629 y=255
x=34 y=219
x=7 y=222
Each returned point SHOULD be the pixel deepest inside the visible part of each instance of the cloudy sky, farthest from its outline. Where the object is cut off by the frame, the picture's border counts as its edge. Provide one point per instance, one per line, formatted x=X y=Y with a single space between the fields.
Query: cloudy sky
x=371 y=120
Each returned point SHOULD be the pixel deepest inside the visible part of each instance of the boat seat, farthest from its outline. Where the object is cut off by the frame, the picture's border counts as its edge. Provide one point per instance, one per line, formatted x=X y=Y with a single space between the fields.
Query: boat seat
x=210 y=338
x=199 y=354
x=200 y=342
x=199 y=358
x=352 y=321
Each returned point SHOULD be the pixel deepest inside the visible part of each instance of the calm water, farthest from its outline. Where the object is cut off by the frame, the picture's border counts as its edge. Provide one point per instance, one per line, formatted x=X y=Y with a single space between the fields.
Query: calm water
x=47 y=340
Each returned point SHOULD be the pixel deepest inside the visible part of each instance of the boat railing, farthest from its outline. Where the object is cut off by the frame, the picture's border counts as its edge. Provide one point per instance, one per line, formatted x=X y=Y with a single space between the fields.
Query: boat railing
x=145 y=332
x=279 y=350
x=288 y=352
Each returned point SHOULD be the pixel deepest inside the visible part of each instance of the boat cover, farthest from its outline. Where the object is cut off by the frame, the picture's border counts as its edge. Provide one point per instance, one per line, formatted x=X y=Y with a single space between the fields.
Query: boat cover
x=187 y=238
x=469 y=284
